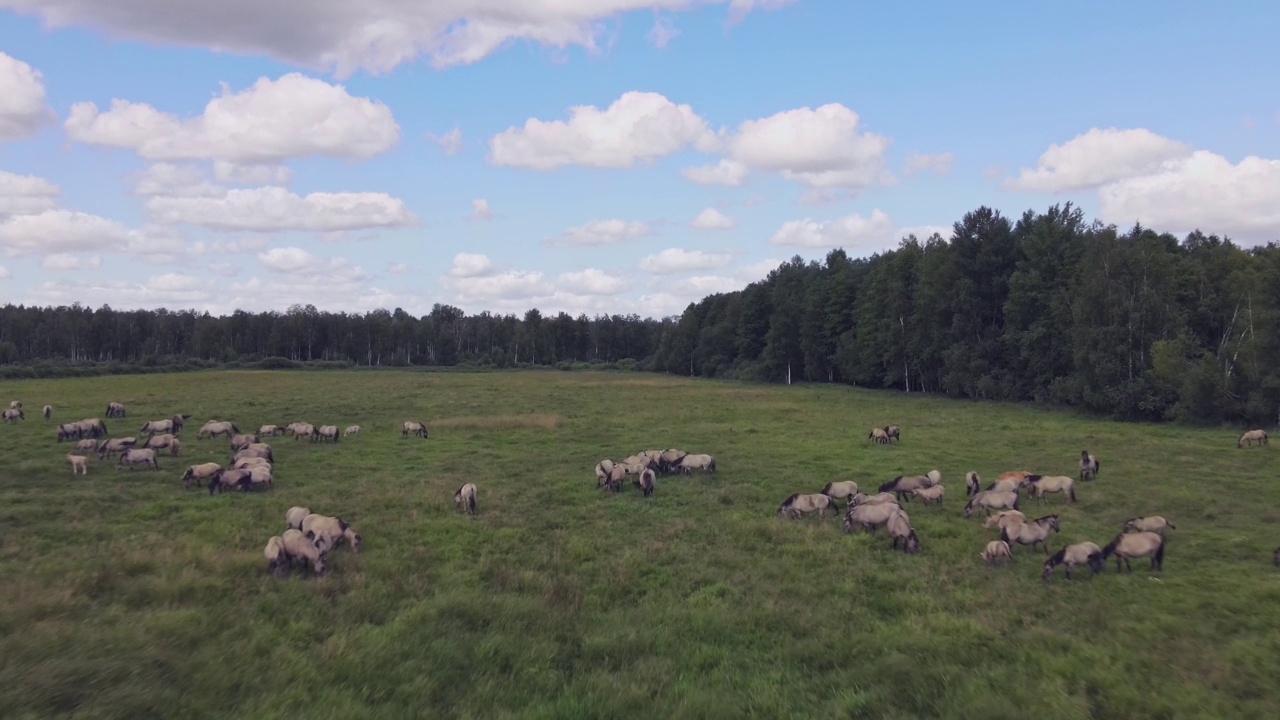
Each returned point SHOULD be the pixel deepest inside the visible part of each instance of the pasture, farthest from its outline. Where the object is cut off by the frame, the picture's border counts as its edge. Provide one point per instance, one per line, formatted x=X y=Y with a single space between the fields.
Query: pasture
x=122 y=595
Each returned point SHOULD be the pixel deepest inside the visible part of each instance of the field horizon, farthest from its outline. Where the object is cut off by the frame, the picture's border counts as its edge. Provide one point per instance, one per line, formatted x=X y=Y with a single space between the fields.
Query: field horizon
x=122 y=594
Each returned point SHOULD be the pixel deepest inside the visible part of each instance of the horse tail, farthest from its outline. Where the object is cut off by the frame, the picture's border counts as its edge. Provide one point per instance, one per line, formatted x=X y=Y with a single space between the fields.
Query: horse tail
x=1159 y=556
x=1172 y=526
x=891 y=486
x=1071 y=492
x=1017 y=500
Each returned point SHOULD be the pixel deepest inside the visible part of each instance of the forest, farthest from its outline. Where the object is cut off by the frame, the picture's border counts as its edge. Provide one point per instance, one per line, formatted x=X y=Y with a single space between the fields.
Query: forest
x=1049 y=308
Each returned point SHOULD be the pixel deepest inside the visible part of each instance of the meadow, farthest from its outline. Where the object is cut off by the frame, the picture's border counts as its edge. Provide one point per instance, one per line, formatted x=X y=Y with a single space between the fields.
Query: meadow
x=124 y=595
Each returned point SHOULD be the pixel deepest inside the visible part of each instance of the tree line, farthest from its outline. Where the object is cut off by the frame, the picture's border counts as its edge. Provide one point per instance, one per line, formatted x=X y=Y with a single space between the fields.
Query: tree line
x=1049 y=308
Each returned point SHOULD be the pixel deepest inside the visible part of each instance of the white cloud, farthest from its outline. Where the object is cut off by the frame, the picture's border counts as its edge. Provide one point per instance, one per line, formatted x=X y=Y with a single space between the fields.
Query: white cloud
x=269 y=209
x=176 y=180
x=662 y=32
x=71 y=231
x=67 y=261
x=26 y=194
x=346 y=37
x=1203 y=191
x=724 y=172
x=938 y=163
x=819 y=148
x=924 y=232
x=450 y=143
x=1098 y=157
x=510 y=284
x=849 y=231
x=294 y=266
x=700 y=286
x=470 y=265
x=224 y=269
x=677 y=260
x=4 y=273
x=480 y=210
x=601 y=232
x=638 y=126
x=713 y=219
x=399 y=268
x=293 y=116
x=240 y=243
x=23 y=110
x=757 y=270
x=236 y=174
x=591 y=282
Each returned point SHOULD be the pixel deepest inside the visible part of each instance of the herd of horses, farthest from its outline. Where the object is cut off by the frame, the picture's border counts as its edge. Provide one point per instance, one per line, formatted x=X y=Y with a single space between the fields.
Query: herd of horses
x=1002 y=502
x=308 y=537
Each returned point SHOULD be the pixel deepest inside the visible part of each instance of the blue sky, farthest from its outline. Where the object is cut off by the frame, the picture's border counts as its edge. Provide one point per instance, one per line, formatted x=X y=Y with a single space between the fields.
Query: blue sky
x=417 y=153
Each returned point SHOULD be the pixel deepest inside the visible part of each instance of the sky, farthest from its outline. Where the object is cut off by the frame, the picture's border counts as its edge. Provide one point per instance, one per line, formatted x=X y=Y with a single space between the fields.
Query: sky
x=594 y=156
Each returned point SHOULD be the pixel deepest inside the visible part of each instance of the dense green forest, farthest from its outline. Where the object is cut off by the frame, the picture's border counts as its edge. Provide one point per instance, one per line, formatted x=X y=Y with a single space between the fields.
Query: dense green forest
x=1048 y=308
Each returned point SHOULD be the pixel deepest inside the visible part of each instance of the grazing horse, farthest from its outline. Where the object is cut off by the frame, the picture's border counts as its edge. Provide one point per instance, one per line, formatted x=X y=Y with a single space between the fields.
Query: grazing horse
x=1134 y=545
x=996 y=551
x=893 y=433
x=645 y=481
x=1089 y=466
x=878 y=435
x=992 y=500
x=972 y=484
x=1031 y=533
x=899 y=526
x=413 y=427
x=13 y=415
x=1045 y=484
x=1251 y=437
x=1083 y=553
x=930 y=494
x=845 y=489
x=904 y=485
x=465 y=497
x=798 y=504
x=48 y=411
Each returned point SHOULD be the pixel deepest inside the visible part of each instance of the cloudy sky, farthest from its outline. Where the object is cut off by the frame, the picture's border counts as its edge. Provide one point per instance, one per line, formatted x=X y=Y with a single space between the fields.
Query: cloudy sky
x=593 y=155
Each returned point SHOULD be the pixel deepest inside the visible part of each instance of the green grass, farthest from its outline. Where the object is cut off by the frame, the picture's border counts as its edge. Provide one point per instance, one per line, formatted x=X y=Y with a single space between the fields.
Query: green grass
x=124 y=596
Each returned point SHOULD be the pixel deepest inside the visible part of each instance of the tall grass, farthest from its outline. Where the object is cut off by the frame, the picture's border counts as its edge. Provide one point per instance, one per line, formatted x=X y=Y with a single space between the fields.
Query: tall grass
x=124 y=596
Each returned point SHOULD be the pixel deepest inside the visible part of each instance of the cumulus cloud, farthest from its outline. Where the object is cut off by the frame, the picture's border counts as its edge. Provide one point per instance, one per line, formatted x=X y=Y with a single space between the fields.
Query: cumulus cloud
x=450 y=143
x=399 y=268
x=924 y=232
x=4 y=273
x=818 y=148
x=1203 y=191
x=293 y=116
x=601 y=232
x=1098 y=157
x=236 y=174
x=54 y=231
x=26 y=194
x=67 y=261
x=638 y=126
x=591 y=282
x=346 y=37
x=849 y=231
x=292 y=266
x=176 y=180
x=724 y=172
x=939 y=163
x=469 y=265
x=23 y=110
x=677 y=260
x=480 y=210
x=713 y=219
x=269 y=209
x=700 y=286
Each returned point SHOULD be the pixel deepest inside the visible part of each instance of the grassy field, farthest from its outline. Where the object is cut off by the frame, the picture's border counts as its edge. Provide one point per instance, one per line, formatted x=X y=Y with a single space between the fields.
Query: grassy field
x=122 y=595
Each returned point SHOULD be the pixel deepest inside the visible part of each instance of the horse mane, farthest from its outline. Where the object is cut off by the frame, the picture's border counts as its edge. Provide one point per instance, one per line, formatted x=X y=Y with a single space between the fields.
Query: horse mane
x=1057 y=558
x=1111 y=546
x=1033 y=478
x=791 y=500
x=1045 y=517
x=887 y=487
